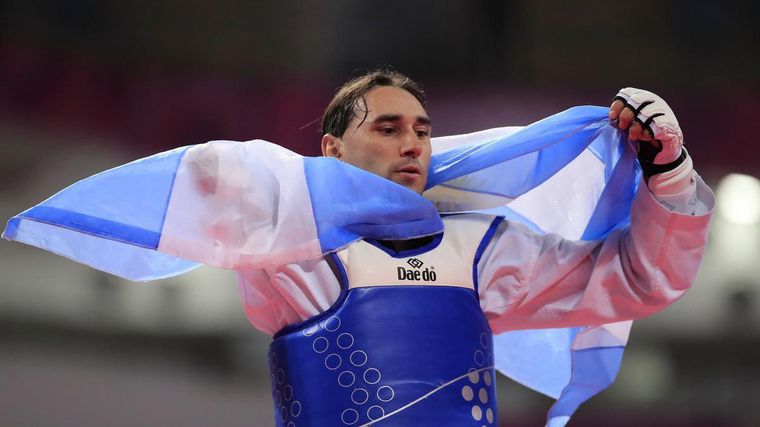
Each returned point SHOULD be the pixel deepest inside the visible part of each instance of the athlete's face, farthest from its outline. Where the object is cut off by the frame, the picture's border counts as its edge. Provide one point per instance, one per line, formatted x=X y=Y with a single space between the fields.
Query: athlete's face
x=393 y=141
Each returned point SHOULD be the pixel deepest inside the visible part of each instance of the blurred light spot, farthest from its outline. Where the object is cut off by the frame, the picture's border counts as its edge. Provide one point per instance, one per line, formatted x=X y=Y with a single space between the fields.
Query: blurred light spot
x=739 y=199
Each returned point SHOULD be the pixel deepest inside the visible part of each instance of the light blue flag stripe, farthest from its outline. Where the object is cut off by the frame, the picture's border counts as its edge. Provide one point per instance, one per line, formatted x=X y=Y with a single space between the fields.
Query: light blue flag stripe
x=614 y=205
x=517 y=163
x=539 y=359
x=88 y=224
x=384 y=209
x=593 y=370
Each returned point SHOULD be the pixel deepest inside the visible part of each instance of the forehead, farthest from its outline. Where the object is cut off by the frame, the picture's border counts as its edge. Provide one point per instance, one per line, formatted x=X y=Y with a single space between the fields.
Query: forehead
x=392 y=100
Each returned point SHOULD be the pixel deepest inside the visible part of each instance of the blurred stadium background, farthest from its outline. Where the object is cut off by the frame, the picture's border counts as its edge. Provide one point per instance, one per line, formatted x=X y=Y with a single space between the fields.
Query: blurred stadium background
x=86 y=85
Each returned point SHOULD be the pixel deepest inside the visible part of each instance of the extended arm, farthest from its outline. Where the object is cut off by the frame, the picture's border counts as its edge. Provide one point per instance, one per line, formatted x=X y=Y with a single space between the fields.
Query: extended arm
x=536 y=281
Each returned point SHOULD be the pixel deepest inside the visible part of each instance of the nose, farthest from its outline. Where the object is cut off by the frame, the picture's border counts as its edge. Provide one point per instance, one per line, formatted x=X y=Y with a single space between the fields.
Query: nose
x=411 y=146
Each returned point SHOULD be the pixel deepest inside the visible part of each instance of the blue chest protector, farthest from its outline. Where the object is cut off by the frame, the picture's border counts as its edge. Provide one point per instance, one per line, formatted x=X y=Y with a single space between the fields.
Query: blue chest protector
x=413 y=351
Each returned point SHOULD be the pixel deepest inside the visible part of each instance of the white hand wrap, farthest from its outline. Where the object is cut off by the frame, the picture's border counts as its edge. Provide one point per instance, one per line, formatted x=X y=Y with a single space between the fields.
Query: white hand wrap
x=653 y=112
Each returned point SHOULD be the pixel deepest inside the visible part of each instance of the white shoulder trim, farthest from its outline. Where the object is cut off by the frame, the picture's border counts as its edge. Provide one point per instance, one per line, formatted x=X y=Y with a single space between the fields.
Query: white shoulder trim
x=448 y=261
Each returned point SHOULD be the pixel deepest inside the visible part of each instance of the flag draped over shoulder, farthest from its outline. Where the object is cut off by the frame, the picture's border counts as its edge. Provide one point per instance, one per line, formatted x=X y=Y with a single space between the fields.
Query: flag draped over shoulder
x=164 y=215
x=570 y=174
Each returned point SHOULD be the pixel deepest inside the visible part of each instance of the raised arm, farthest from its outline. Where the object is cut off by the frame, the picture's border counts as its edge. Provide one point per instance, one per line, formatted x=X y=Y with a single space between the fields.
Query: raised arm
x=535 y=281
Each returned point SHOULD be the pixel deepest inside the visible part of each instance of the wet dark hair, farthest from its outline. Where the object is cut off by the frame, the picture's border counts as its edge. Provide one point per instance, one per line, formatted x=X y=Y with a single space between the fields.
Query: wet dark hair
x=345 y=104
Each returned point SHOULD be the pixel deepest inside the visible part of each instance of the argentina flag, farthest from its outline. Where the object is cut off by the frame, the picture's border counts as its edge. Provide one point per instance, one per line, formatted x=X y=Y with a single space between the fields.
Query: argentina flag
x=572 y=174
x=163 y=215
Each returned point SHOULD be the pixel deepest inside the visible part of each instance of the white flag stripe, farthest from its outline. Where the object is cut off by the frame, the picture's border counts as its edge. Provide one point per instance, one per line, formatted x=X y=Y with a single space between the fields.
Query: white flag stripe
x=227 y=209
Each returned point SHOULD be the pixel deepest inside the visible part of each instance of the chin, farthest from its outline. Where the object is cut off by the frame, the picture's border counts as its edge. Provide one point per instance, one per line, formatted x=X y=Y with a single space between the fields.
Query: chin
x=410 y=185
x=416 y=188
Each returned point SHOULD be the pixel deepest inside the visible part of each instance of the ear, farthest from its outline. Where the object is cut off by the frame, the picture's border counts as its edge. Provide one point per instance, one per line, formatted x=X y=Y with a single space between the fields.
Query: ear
x=332 y=146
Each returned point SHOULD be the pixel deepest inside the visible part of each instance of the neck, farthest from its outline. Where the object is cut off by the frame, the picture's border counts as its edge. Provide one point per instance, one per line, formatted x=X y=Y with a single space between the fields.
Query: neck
x=405 y=245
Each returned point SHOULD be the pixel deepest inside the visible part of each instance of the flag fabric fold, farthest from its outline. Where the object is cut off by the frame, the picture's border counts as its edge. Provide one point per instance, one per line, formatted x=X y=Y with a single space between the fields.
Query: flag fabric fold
x=571 y=173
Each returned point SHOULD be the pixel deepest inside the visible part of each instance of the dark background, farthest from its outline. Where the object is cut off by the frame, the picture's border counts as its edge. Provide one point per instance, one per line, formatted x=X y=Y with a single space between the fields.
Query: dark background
x=87 y=85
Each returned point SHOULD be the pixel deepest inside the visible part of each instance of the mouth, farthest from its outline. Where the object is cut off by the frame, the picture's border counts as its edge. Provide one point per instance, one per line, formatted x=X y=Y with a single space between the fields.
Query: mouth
x=410 y=169
x=410 y=176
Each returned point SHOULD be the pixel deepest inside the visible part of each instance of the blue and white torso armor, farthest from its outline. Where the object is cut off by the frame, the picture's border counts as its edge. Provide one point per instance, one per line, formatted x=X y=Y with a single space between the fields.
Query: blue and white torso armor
x=406 y=344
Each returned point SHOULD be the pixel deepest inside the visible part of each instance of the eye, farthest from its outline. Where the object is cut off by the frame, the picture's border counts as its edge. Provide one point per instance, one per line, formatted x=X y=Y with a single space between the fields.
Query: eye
x=423 y=133
x=387 y=130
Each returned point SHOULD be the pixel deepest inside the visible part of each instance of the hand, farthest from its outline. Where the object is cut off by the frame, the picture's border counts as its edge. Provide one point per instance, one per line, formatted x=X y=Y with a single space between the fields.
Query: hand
x=648 y=120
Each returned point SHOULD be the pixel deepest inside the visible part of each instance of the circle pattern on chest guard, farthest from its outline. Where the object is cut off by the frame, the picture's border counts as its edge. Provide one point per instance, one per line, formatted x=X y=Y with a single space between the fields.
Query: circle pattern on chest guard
x=479 y=357
x=485 y=340
x=345 y=340
x=371 y=376
x=359 y=396
x=477 y=413
x=358 y=358
x=332 y=324
x=295 y=409
x=287 y=392
x=375 y=412
x=280 y=376
x=320 y=344
x=385 y=393
x=333 y=361
x=273 y=360
x=476 y=392
x=346 y=379
x=467 y=393
x=311 y=330
x=291 y=424
x=483 y=395
x=349 y=417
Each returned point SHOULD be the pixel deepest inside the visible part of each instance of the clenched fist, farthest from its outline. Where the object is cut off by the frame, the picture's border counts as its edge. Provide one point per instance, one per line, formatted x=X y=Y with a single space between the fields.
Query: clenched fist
x=650 y=121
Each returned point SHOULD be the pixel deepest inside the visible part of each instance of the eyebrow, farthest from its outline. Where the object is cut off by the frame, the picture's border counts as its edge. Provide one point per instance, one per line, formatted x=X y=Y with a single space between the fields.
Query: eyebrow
x=396 y=117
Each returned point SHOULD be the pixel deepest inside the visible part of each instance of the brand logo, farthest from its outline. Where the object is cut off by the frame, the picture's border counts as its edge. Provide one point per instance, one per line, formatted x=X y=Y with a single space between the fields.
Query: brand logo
x=414 y=262
x=428 y=274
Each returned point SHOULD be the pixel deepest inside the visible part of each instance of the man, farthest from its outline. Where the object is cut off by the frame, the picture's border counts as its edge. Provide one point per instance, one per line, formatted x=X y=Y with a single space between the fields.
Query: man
x=394 y=328
x=394 y=347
